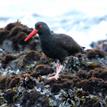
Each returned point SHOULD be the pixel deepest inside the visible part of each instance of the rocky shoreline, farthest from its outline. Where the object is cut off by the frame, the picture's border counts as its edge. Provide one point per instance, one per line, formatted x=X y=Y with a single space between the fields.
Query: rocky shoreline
x=24 y=70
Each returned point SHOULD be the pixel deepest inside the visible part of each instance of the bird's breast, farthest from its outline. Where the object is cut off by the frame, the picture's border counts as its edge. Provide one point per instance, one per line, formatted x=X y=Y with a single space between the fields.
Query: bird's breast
x=53 y=51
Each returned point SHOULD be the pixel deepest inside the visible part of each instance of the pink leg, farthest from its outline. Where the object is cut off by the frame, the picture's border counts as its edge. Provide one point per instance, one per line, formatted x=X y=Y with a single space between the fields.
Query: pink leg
x=58 y=70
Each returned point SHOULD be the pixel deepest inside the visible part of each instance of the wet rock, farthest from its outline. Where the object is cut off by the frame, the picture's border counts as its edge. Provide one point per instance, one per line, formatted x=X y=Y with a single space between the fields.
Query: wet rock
x=34 y=99
x=26 y=60
x=18 y=30
x=43 y=69
x=84 y=75
x=3 y=35
x=31 y=56
x=72 y=64
x=28 y=82
x=3 y=80
x=15 y=33
x=34 y=45
x=100 y=73
x=93 y=85
x=8 y=46
x=101 y=45
x=9 y=96
x=14 y=81
x=7 y=59
x=95 y=53
x=92 y=65
x=7 y=82
x=93 y=102
x=17 y=36
x=64 y=82
x=12 y=25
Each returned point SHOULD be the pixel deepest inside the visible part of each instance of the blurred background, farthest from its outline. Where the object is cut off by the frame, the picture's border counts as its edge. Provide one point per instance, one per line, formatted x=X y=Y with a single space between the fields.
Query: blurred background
x=84 y=20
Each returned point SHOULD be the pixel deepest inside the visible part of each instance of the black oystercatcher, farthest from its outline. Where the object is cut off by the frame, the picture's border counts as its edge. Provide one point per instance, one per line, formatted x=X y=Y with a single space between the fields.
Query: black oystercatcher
x=56 y=46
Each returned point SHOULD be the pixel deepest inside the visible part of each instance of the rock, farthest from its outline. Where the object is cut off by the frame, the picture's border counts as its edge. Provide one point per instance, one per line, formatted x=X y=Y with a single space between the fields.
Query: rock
x=3 y=35
x=9 y=96
x=7 y=59
x=24 y=70
x=28 y=82
x=43 y=69
x=34 y=99
x=95 y=53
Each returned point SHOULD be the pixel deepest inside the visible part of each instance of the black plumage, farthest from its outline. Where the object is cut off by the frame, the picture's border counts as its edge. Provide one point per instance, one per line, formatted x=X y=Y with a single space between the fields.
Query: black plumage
x=56 y=46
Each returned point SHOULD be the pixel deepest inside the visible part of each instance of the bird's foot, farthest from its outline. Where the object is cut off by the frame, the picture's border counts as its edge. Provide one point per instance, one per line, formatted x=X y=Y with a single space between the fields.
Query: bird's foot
x=55 y=77
x=58 y=70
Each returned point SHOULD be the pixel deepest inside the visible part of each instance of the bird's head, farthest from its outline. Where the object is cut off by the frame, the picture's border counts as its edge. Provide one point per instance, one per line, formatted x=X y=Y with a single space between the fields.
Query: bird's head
x=40 y=28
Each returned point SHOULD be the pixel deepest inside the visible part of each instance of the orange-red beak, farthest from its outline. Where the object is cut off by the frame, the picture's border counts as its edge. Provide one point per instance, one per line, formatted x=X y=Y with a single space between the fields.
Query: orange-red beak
x=34 y=32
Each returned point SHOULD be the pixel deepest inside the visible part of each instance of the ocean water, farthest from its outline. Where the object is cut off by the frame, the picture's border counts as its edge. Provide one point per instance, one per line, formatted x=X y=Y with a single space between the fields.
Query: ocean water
x=84 y=20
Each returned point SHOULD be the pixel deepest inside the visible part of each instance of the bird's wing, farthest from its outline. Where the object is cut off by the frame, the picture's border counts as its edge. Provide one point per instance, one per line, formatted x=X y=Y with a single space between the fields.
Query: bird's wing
x=67 y=43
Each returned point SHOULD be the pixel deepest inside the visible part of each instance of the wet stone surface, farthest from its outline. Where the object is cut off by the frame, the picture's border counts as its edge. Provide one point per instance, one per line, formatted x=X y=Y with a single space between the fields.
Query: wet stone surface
x=24 y=72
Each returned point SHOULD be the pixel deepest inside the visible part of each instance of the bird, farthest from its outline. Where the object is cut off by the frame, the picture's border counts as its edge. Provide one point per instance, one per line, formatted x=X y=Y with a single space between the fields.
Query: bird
x=54 y=45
